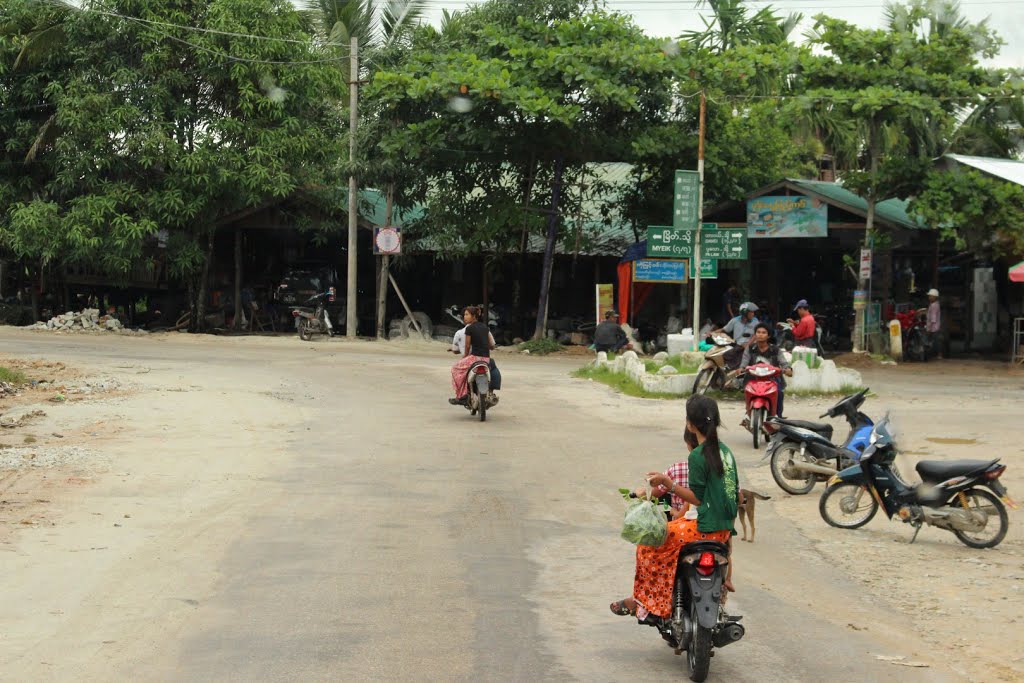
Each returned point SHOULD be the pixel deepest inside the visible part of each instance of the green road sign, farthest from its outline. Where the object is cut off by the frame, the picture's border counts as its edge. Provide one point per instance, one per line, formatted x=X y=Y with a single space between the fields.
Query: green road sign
x=685 y=195
x=723 y=244
x=708 y=269
x=667 y=242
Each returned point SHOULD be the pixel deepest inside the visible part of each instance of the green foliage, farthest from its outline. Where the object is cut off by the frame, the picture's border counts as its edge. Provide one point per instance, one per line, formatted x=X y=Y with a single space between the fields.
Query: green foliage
x=164 y=129
x=621 y=383
x=11 y=376
x=541 y=347
x=684 y=367
x=980 y=213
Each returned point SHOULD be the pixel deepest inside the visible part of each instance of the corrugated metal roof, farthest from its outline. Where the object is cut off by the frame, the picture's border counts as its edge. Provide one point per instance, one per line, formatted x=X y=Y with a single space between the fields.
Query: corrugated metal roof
x=1007 y=169
x=892 y=211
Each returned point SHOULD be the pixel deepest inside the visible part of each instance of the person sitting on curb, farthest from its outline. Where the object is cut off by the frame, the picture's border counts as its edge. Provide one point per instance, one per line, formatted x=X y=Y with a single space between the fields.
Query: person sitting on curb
x=608 y=336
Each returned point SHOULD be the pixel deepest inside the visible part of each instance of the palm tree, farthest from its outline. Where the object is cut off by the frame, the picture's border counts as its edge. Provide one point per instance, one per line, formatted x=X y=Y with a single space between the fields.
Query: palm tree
x=376 y=23
x=731 y=25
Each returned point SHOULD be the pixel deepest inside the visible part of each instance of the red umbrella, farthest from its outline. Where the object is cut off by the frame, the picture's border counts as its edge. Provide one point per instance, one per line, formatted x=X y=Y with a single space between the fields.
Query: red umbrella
x=1017 y=272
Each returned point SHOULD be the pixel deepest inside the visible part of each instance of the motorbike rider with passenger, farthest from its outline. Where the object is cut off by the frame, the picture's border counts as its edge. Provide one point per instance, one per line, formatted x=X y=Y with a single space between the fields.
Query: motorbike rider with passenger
x=476 y=348
x=459 y=345
x=763 y=351
x=741 y=329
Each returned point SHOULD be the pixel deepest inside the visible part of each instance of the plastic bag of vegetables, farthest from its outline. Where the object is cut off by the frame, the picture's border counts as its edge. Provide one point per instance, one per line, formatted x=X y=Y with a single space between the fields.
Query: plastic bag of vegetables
x=644 y=522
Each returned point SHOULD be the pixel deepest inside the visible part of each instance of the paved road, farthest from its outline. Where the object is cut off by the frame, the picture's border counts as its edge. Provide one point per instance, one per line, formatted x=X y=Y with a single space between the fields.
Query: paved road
x=384 y=535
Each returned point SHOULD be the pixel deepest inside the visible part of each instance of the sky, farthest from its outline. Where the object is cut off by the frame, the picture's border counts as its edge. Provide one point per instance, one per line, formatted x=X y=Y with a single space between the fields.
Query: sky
x=669 y=18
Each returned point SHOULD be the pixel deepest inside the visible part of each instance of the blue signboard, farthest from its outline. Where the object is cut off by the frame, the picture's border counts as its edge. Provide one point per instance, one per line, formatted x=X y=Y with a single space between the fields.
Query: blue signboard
x=795 y=216
x=659 y=270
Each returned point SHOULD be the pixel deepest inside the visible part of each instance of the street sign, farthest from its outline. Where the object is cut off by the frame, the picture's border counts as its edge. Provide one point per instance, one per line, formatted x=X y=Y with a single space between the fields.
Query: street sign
x=659 y=270
x=723 y=244
x=865 y=264
x=708 y=269
x=387 y=240
x=685 y=196
x=665 y=241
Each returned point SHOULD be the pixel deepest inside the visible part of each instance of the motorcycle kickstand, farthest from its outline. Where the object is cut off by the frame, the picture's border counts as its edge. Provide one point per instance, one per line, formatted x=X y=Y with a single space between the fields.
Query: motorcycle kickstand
x=917 y=530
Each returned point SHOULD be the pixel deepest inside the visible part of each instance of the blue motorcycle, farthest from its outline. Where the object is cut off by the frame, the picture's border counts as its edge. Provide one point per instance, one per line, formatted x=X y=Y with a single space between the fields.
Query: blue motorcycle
x=802 y=453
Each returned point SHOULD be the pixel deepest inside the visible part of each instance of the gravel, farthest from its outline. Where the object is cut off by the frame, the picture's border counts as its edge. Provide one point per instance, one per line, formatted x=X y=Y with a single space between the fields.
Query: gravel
x=24 y=457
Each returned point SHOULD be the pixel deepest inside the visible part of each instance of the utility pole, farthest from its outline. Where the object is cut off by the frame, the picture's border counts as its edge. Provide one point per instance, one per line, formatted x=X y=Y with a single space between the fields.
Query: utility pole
x=385 y=264
x=700 y=221
x=351 y=319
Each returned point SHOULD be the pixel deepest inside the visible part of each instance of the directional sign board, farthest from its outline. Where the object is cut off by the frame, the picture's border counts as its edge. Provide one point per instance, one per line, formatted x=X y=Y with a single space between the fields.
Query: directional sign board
x=668 y=242
x=659 y=270
x=685 y=194
x=723 y=244
x=708 y=269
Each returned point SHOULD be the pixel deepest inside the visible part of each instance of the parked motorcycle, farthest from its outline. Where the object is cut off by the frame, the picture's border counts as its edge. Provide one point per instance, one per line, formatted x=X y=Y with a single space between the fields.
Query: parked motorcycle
x=698 y=623
x=912 y=329
x=481 y=398
x=788 y=342
x=950 y=496
x=714 y=373
x=802 y=453
x=762 y=396
x=313 y=318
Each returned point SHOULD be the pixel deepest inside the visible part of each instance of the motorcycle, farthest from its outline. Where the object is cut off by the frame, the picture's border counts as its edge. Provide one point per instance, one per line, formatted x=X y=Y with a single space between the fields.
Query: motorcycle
x=950 y=496
x=912 y=329
x=698 y=623
x=788 y=342
x=313 y=318
x=762 y=394
x=714 y=373
x=481 y=398
x=801 y=452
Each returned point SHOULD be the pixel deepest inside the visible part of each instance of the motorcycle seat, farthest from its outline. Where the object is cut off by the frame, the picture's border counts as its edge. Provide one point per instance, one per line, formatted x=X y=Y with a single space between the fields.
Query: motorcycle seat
x=939 y=470
x=822 y=428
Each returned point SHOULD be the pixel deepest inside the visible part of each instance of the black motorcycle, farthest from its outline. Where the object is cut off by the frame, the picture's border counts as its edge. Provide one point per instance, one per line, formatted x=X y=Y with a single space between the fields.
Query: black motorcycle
x=698 y=623
x=313 y=317
x=950 y=496
x=480 y=398
x=802 y=453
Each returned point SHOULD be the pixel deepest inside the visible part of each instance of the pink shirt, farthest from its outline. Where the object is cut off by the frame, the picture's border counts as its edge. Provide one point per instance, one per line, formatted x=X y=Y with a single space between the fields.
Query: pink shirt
x=934 y=317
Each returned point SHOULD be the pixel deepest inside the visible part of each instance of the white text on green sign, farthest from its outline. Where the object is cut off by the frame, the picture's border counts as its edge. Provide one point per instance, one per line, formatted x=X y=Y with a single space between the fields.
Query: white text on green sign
x=685 y=197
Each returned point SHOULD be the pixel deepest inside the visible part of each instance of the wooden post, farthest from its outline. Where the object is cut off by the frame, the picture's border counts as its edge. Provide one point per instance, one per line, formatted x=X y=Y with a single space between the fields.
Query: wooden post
x=238 y=280
x=408 y=311
x=382 y=286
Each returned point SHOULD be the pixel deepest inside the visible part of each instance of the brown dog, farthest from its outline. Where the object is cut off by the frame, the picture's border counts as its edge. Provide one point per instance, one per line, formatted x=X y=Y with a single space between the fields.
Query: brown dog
x=748 y=499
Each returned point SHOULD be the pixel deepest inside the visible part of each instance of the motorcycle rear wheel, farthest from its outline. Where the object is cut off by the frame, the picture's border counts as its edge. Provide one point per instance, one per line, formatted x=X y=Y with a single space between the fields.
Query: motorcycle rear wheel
x=849 y=500
x=698 y=655
x=782 y=455
x=305 y=329
x=993 y=508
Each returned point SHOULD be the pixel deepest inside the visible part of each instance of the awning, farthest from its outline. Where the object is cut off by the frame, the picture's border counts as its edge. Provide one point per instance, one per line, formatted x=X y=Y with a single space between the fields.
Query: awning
x=1017 y=273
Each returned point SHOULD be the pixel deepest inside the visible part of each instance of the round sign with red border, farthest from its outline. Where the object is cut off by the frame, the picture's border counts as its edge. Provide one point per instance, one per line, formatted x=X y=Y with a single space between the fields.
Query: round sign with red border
x=388 y=241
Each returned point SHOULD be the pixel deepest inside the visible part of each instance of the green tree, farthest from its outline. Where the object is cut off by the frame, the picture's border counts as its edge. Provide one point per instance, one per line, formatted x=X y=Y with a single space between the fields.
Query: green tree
x=732 y=24
x=176 y=128
x=981 y=213
x=526 y=86
x=887 y=98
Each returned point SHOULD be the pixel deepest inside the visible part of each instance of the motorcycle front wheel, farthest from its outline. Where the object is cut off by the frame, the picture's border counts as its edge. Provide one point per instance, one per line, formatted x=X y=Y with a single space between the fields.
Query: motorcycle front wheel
x=704 y=381
x=305 y=329
x=756 y=424
x=783 y=455
x=847 y=506
x=983 y=502
x=698 y=655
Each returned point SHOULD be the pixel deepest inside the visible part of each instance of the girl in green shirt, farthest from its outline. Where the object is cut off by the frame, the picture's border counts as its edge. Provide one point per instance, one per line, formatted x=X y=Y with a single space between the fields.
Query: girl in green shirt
x=714 y=483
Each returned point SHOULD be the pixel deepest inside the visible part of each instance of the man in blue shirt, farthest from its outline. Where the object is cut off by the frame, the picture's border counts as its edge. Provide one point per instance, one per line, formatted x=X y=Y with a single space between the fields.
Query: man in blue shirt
x=741 y=329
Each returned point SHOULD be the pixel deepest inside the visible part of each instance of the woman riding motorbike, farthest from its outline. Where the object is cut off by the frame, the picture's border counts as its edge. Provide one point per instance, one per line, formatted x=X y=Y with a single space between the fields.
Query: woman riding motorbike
x=713 y=487
x=477 y=347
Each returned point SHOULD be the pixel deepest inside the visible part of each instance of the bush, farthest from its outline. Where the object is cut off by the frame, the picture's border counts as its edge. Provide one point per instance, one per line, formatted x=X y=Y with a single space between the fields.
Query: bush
x=541 y=347
x=10 y=376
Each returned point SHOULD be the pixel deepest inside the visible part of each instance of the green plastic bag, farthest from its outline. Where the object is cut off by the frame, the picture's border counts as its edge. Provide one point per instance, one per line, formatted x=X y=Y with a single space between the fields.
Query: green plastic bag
x=644 y=523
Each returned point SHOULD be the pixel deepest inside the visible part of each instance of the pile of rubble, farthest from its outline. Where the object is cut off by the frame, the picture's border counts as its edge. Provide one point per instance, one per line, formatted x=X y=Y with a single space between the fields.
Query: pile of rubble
x=88 y=319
